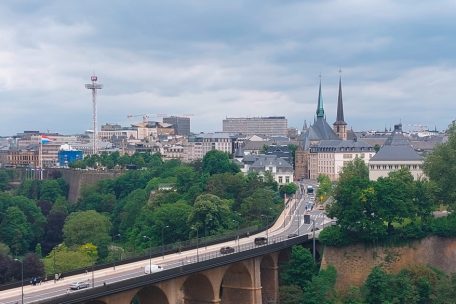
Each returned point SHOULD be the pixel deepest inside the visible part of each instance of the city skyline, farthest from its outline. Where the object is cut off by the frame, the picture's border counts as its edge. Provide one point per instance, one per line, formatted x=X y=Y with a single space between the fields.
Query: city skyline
x=218 y=60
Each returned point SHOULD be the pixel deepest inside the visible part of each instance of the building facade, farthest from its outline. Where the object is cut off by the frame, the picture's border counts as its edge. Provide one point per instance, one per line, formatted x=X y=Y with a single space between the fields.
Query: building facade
x=269 y=126
x=395 y=154
x=181 y=125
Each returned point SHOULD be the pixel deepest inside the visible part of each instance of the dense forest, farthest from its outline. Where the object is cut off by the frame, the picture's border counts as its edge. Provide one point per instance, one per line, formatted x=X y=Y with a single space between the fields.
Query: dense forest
x=122 y=217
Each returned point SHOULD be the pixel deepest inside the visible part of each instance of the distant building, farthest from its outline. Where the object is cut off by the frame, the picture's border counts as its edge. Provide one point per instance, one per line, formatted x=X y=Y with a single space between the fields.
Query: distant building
x=396 y=153
x=181 y=125
x=202 y=143
x=269 y=126
x=323 y=149
x=281 y=170
x=67 y=155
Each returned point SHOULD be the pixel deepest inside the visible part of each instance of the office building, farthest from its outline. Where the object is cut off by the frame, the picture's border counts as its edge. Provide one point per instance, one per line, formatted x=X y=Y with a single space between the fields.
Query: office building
x=269 y=126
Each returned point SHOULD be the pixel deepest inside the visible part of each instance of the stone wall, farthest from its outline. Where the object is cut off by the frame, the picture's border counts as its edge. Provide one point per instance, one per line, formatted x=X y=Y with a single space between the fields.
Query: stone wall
x=77 y=179
x=355 y=262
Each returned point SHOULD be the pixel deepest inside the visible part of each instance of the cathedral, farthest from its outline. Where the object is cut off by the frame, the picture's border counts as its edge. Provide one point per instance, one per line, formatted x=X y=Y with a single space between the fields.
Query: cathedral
x=323 y=149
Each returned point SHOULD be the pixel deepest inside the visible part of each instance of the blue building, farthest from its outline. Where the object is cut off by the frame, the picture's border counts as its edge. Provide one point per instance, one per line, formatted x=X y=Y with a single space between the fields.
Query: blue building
x=67 y=155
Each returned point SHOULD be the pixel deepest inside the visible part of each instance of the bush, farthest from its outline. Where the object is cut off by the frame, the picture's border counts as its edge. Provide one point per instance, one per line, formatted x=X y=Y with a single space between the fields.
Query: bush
x=444 y=226
x=335 y=236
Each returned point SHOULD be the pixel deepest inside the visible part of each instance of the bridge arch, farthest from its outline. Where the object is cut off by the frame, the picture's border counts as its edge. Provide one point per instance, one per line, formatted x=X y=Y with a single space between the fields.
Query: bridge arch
x=237 y=285
x=269 y=279
x=198 y=289
x=150 y=295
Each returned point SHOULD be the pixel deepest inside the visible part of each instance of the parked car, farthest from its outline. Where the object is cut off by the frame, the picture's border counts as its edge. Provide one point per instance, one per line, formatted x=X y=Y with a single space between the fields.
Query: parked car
x=261 y=240
x=226 y=250
x=79 y=285
x=292 y=235
x=316 y=228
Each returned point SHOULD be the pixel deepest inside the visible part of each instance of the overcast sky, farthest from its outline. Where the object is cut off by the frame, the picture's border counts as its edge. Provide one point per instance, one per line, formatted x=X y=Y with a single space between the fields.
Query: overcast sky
x=214 y=59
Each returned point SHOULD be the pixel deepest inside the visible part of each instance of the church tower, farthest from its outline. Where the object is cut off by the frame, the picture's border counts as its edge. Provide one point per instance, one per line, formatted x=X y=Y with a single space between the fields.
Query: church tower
x=340 y=126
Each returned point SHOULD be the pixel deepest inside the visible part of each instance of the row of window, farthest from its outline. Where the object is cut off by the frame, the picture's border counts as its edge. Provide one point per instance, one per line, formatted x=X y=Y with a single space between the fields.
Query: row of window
x=287 y=179
x=391 y=167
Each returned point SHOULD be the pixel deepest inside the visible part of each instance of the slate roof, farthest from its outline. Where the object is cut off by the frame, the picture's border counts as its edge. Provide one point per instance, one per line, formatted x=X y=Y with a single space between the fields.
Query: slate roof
x=264 y=161
x=397 y=148
x=342 y=146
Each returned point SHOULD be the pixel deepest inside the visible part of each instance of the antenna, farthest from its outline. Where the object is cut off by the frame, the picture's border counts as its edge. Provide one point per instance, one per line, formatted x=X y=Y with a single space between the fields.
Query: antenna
x=94 y=86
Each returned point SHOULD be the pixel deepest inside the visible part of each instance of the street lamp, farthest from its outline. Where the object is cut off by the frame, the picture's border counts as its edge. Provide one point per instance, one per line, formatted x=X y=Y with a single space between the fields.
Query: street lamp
x=114 y=258
x=205 y=231
x=163 y=241
x=267 y=225
x=237 y=233
x=54 y=250
x=22 y=279
x=150 y=252
x=197 y=244
x=307 y=220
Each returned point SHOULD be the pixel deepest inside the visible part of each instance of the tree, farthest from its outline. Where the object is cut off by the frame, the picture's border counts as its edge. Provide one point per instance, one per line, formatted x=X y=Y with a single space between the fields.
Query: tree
x=4 y=180
x=325 y=188
x=54 y=230
x=216 y=161
x=212 y=211
x=65 y=259
x=395 y=196
x=15 y=231
x=321 y=288
x=300 y=269
x=288 y=189
x=128 y=209
x=86 y=227
x=440 y=167
x=261 y=202
x=377 y=287
x=33 y=266
x=290 y=294
x=50 y=189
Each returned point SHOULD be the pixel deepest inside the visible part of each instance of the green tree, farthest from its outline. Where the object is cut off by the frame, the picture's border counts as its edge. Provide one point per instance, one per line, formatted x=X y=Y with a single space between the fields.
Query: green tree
x=440 y=167
x=216 y=161
x=128 y=210
x=395 y=196
x=86 y=227
x=321 y=288
x=377 y=287
x=50 y=190
x=15 y=231
x=288 y=189
x=4 y=180
x=62 y=259
x=262 y=202
x=290 y=294
x=325 y=188
x=211 y=210
x=300 y=269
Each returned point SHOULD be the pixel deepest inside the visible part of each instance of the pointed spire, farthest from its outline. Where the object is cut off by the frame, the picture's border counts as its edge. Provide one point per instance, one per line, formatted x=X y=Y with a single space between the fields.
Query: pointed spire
x=320 y=111
x=304 y=127
x=340 y=105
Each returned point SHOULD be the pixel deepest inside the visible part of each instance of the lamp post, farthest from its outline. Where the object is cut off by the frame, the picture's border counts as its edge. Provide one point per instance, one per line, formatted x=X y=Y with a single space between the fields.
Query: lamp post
x=267 y=225
x=114 y=258
x=22 y=279
x=237 y=233
x=163 y=241
x=197 y=244
x=150 y=252
x=205 y=231
x=307 y=220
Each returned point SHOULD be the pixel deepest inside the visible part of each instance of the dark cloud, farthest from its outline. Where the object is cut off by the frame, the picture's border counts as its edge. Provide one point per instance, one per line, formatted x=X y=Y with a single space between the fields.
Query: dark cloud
x=225 y=58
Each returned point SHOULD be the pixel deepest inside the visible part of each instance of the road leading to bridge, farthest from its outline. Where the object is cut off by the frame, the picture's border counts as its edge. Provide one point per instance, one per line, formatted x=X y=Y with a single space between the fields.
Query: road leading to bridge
x=290 y=223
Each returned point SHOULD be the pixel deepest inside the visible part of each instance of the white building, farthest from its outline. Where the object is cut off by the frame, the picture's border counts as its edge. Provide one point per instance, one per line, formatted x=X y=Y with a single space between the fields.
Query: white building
x=205 y=142
x=395 y=154
x=280 y=169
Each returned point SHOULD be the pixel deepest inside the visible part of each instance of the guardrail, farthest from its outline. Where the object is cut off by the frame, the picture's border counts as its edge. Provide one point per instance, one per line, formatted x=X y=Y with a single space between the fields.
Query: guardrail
x=184 y=266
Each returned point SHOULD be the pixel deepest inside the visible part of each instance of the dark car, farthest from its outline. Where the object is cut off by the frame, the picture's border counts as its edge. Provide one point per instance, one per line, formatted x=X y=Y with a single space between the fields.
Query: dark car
x=316 y=228
x=292 y=235
x=226 y=250
x=261 y=240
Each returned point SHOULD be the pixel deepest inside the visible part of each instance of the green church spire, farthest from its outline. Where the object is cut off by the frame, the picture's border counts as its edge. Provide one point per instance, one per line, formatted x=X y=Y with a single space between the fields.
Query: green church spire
x=320 y=111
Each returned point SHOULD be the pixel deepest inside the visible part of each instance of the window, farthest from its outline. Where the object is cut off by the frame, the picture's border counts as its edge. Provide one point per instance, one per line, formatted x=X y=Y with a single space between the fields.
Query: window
x=280 y=180
x=287 y=179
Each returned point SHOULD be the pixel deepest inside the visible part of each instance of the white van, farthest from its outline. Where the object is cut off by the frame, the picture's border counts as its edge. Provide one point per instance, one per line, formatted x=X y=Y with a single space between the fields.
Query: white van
x=152 y=268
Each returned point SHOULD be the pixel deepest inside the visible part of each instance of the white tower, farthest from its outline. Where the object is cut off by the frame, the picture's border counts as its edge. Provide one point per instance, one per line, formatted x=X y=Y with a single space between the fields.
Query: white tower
x=94 y=86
